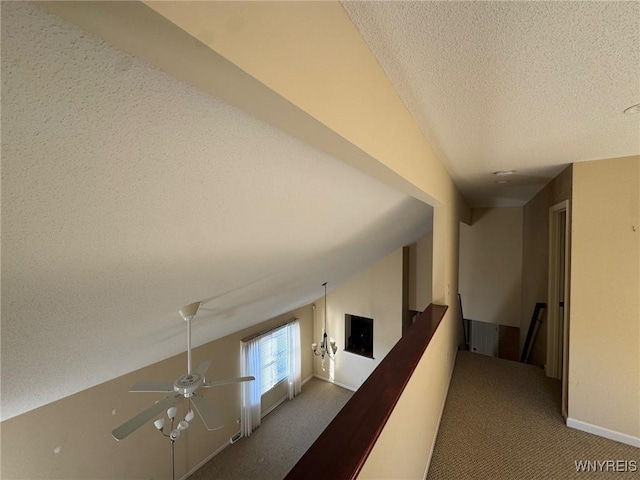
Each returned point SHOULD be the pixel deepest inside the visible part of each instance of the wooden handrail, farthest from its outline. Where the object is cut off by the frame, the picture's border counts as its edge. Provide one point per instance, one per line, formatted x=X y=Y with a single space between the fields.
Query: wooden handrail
x=342 y=449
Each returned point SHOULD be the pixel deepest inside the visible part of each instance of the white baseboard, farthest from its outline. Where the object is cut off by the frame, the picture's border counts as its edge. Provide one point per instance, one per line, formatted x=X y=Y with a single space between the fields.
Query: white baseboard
x=604 y=432
x=273 y=407
x=216 y=452
x=306 y=379
x=336 y=383
x=444 y=401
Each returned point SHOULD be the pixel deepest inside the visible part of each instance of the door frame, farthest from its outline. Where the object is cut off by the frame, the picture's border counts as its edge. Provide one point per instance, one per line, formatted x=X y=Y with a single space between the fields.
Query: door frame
x=557 y=365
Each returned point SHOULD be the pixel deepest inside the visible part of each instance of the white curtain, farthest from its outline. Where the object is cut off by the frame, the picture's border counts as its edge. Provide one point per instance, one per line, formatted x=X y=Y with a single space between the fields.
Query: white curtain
x=295 y=359
x=250 y=365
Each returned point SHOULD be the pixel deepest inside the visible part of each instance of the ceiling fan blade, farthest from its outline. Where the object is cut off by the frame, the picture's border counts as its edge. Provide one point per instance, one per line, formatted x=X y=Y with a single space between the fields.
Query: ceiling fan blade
x=208 y=412
x=131 y=425
x=152 y=387
x=203 y=367
x=227 y=381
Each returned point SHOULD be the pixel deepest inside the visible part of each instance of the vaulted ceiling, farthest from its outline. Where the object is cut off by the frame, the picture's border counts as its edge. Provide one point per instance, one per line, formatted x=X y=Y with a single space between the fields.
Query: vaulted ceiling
x=127 y=193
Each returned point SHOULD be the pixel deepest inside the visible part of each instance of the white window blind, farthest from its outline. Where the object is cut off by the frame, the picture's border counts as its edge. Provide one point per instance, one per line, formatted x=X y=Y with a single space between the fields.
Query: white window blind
x=274 y=358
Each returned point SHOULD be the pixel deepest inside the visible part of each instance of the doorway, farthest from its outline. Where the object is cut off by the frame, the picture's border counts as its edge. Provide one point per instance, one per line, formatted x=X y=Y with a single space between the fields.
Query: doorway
x=557 y=365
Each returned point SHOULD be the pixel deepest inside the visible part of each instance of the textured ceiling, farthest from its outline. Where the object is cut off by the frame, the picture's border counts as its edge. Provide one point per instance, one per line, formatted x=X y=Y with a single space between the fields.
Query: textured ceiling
x=127 y=194
x=530 y=86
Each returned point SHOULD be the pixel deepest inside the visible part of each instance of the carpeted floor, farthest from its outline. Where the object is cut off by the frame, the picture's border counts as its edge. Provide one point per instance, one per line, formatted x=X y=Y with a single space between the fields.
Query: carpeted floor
x=502 y=420
x=282 y=438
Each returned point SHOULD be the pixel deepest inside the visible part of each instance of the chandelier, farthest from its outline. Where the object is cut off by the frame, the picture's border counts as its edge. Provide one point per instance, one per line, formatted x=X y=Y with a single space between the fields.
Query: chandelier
x=328 y=346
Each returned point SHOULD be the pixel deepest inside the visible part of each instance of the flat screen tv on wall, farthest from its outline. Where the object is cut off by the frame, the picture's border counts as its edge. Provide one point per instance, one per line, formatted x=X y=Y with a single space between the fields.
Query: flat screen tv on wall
x=358 y=335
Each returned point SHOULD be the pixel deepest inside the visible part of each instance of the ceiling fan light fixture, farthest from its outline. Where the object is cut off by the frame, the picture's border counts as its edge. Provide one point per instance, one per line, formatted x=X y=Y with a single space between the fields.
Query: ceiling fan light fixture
x=633 y=109
x=184 y=386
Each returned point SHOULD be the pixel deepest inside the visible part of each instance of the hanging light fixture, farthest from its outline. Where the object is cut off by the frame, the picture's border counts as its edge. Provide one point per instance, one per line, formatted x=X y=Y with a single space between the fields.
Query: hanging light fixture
x=328 y=347
x=173 y=434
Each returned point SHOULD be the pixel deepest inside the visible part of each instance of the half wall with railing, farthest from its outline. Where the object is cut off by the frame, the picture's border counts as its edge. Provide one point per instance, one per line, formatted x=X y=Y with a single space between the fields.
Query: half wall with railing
x=388 y=427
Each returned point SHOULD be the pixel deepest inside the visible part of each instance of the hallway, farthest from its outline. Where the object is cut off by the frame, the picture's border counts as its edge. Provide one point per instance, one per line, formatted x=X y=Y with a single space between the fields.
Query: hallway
x=502 y=420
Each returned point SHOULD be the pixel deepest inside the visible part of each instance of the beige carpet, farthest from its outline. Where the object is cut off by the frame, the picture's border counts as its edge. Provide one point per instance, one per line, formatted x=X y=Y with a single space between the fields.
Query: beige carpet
x=502 y=420
x=282 y=438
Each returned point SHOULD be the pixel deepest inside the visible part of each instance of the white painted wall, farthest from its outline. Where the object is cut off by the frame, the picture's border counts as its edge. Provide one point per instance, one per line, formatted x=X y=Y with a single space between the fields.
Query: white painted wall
x=375 y=293
x=491 y=266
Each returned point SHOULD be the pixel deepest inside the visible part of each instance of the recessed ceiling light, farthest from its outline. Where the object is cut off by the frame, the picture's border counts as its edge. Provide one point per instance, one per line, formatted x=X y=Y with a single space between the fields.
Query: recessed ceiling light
x=504 y=173
x=633 y=109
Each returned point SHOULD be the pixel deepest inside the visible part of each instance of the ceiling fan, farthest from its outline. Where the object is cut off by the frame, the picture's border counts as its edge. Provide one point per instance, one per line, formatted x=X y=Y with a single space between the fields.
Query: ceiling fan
x=186 y=385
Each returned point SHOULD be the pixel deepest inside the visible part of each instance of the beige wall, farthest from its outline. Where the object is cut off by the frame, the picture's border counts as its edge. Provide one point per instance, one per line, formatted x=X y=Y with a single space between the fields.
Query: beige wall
x=375 y=293
x=491 y=266
x=80 y=424
x=406 y=442
x=393 y=456
x=420 y=271
x=312 y=55
x=535 y=257
x=604 y=349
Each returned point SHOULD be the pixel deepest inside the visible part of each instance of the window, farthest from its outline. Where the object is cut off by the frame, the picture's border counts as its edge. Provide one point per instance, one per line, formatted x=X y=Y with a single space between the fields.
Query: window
x=274 y=358
x=271 y=358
